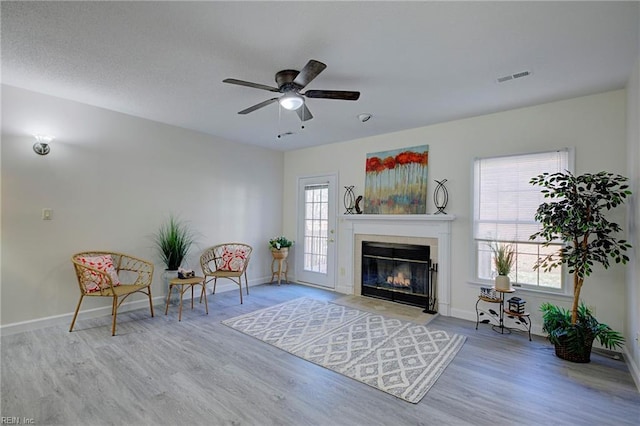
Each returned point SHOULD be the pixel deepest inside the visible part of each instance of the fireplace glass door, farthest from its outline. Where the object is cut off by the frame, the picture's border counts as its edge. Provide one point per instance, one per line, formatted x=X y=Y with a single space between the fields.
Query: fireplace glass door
x=397 y=272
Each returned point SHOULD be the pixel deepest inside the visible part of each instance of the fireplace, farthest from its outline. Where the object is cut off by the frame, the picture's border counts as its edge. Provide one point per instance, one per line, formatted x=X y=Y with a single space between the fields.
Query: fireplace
x=433 y=230
x=398 y=272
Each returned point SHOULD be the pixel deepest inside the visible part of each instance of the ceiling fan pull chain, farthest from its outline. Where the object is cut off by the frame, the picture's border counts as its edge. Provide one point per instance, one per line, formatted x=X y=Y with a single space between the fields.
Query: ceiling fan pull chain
x=279 y=119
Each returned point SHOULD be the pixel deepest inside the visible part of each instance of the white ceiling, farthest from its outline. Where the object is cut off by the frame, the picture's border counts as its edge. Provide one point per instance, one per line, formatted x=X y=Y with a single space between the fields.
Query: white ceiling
x=415 y=63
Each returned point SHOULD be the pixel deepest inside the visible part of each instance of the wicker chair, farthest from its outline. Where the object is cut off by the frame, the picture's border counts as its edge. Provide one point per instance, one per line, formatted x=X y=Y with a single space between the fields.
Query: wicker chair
x=229 y=260
x=111 y=274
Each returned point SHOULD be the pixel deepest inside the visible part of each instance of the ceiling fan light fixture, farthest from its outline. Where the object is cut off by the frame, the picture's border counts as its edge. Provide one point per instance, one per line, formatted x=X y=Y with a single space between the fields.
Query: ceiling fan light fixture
x=291 y=101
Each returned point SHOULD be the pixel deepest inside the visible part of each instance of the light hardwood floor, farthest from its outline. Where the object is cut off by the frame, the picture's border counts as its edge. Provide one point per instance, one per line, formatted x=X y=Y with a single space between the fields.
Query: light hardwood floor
x=158 y=371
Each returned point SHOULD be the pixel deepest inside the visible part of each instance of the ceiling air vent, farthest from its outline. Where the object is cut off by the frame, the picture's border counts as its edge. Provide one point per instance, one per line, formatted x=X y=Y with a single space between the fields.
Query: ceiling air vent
x=513 y=76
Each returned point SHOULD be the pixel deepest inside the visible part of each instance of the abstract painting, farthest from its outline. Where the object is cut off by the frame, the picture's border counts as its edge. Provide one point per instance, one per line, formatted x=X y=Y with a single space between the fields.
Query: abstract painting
x=396 y=181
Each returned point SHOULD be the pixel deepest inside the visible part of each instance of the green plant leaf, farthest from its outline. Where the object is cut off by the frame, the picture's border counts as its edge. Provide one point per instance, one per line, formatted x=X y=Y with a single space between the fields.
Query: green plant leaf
x=173 y=241
x=577 y=337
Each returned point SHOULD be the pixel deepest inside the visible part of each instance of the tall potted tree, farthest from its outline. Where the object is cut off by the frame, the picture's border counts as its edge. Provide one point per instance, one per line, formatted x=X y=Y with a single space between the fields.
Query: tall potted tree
x=576 y=216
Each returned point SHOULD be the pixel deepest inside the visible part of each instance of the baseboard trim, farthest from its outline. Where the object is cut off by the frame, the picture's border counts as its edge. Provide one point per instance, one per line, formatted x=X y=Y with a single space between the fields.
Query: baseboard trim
x=344 y=289
x=633 y=367
x=65 y=319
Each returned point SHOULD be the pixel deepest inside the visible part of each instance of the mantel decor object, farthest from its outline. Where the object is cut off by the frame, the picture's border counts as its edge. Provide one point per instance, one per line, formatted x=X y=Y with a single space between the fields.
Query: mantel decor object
x=358 y=201
x=441 y=196
x=349 y=199
x=396 y=181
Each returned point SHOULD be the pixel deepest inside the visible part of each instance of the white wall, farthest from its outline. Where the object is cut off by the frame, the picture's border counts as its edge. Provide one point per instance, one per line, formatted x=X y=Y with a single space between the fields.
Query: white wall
x=111 y=180
x=595 y=125
x=632 y=324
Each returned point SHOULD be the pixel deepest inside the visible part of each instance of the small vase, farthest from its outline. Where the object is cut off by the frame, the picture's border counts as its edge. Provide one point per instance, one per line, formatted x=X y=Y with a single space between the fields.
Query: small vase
x=503 y=282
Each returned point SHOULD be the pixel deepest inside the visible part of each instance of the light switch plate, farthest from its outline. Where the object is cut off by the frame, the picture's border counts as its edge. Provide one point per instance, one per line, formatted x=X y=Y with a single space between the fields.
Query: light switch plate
x=47 y=214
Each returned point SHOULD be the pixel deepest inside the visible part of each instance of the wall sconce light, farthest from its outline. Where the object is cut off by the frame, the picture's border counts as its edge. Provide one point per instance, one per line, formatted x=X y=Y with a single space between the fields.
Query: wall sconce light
x=41 y=147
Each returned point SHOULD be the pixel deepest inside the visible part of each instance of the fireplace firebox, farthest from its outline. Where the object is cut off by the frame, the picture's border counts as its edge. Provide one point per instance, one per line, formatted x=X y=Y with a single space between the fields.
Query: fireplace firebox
x=398 y=272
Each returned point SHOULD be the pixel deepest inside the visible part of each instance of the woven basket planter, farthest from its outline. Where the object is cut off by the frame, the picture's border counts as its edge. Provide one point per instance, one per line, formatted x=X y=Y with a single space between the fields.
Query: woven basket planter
x=583 y=357
x=281 y=253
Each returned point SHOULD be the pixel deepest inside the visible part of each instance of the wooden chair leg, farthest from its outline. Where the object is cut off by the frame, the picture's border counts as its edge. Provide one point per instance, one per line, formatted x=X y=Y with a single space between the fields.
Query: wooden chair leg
x=215 y=281
x=206 y=305
x=150 y=301
x=246 y=281
x=166 y=309
x=115 y=315
x=240 y=287
x=73 y=321
x=204 y=286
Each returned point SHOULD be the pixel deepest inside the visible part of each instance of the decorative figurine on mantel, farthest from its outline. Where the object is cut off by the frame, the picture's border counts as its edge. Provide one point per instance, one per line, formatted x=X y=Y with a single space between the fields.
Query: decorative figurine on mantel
x=440 y=196
x=358 y=201
x=349 y=199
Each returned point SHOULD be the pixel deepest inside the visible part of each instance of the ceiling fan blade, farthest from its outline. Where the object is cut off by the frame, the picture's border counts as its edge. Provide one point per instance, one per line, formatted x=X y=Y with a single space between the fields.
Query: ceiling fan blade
x=309 y=72
x=258 y=106
x=332 y=94
x=250 y=84
x=304 y=113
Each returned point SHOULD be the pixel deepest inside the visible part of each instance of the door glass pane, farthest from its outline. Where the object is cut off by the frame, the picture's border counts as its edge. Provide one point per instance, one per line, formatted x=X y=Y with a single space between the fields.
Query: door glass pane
x=316 y=230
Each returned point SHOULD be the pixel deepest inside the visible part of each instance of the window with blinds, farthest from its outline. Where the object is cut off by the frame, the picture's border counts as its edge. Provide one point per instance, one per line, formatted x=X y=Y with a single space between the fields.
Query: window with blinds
x=504 y=208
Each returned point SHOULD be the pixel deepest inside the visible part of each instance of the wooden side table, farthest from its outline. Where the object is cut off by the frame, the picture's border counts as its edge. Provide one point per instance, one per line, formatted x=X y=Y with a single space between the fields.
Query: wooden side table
x=183 y=283
x=283 y=268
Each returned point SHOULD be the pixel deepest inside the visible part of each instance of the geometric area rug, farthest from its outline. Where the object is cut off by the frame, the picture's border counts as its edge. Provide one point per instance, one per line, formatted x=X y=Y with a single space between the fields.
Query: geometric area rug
x=399 y=357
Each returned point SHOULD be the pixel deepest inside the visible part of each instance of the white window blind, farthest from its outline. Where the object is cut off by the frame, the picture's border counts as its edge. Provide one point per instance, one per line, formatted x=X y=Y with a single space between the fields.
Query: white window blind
x=505 y=202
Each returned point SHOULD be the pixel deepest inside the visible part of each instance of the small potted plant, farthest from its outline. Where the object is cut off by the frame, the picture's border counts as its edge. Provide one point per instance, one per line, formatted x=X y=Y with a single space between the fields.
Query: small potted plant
x=504 y=256
x=173 y=241
x=575 y=215
x=280 y=246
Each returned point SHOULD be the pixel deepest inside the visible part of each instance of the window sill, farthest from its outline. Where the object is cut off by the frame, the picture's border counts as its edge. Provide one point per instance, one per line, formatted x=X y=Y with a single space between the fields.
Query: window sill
x=559 y=296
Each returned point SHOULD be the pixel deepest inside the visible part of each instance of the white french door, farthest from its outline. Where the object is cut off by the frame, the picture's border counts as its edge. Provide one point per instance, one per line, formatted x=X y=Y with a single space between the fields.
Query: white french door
x=316 y=252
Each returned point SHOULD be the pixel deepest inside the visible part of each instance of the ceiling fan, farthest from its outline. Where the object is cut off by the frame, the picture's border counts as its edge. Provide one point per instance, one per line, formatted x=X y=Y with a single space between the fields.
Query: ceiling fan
x=290 y=83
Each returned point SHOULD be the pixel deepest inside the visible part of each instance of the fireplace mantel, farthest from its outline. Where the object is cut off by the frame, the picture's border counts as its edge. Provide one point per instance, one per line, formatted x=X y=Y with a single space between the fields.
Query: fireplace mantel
x=400 y=217
x=436 y=226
